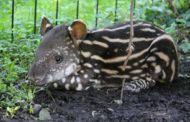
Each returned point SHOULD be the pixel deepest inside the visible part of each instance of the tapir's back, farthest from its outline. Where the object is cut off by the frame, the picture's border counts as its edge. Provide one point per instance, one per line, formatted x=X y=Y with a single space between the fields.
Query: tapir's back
x=154 y=54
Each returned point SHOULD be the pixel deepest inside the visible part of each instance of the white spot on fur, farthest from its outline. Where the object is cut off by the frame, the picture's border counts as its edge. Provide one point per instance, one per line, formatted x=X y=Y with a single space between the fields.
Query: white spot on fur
x=73 y=46
x=61 y=73
x=88 y=65
x=157 y=69
x=151 y=58
x=101 y=44
x=127 y=67
x=55 y=85
x=78 y=80
x=87 y=87
x=142 y=60
x=81 y=71
x=63 y=80
x=79 y=87
x=148 y=79
x=70 y=69
x=137 y=71
x=85 y=76
x=173 y=70
x=146 y=24
x=144 y=66
x=153 y=49
x=109 y=71
x=72 y=80
x=95 y=81
x=135 y=64
x=86 y=54
x=96 y=71
x=135 y=78
x=148 y=30
x=87 y=42
x=52 y=70
x=67 y=86
x=116 y=50
x=119 y=76
x=142 y=75
x=163 y=75
x=69 y=42
x=49 y=78
x=163 y=56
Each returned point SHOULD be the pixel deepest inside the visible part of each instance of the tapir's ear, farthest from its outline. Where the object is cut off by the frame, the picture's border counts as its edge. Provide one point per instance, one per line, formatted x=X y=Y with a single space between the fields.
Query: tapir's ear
x=45 y=26
x=78 y=30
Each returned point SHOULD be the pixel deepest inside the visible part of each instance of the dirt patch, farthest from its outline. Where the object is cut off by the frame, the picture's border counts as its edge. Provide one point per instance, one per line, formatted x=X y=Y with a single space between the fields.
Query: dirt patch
x=164 y=102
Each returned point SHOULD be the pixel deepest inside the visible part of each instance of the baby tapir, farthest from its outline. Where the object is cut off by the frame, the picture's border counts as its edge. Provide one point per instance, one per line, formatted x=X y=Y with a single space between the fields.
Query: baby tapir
x=74 y=57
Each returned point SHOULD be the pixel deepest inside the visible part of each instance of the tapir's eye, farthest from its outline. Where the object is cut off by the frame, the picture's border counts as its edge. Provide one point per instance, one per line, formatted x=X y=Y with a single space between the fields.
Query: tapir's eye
x=58 y=58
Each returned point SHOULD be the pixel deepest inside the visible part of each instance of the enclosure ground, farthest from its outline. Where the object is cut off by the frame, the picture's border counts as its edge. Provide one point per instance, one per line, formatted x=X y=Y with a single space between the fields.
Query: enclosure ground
x=164 y=102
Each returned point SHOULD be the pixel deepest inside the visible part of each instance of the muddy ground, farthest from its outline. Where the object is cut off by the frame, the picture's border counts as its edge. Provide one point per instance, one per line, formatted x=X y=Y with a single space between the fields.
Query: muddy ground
x=162 y=103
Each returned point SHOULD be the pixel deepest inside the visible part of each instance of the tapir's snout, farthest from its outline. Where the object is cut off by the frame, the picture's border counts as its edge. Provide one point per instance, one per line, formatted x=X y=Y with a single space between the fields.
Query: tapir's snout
x=36 y=75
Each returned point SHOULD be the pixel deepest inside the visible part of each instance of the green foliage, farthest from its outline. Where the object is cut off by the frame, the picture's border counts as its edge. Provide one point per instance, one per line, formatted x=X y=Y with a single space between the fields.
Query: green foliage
x=161 y=14
x=185 y=47
x=14 y=63
x=16 y=56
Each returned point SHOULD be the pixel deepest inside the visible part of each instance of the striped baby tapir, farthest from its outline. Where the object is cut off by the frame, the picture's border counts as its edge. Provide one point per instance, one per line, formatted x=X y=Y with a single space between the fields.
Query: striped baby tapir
x=75 y=58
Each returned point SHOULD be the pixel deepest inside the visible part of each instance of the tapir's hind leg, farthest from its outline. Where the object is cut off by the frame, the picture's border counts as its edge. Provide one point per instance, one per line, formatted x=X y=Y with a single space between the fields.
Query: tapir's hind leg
x=139 y=84
x=162 y=65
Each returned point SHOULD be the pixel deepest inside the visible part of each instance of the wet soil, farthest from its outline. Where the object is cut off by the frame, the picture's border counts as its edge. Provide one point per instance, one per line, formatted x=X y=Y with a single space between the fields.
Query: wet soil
x=162 y=103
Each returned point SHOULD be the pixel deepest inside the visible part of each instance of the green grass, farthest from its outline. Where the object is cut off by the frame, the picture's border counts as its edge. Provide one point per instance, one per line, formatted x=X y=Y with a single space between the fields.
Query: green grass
x=16 y=56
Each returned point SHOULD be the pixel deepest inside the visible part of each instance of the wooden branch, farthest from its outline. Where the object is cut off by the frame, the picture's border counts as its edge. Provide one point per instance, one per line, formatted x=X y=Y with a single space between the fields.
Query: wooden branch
x=176 y=14
x=130 y=47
